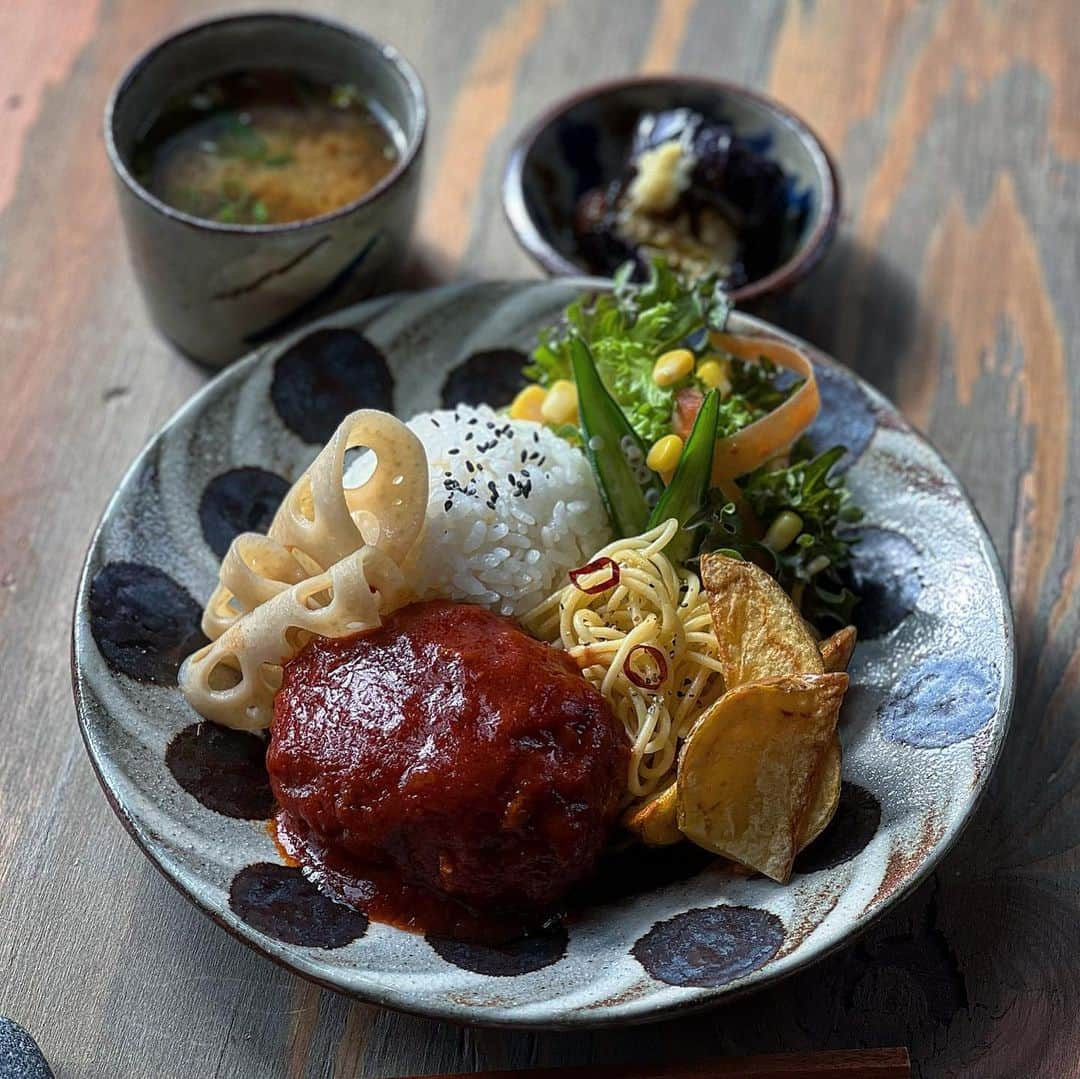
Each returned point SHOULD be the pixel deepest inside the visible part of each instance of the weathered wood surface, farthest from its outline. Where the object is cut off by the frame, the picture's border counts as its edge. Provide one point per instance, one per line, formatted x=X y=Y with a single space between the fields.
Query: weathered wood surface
x=953 y=287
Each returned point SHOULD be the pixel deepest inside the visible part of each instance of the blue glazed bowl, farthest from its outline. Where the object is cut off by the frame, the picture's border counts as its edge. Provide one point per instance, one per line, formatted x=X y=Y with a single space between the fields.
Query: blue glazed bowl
x=583 y=142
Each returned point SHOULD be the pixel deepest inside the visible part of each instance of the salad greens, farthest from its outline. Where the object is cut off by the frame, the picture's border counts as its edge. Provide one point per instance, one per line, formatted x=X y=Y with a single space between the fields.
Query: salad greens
x=608 y=345
x=627 y=330
x=812 y=569
x=613 y=447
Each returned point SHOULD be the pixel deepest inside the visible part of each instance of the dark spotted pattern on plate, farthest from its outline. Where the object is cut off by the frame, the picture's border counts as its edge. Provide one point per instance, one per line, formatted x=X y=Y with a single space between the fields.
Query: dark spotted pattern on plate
x=858 y=816
x=885 y=575
x=281 y=902
x=326 y=375
x=492 y=377
x=847 y=417
x=710 y=946
x=223 y=769
x=939 y=703
x=521 y=956
x=241 y=500
x=144 y=623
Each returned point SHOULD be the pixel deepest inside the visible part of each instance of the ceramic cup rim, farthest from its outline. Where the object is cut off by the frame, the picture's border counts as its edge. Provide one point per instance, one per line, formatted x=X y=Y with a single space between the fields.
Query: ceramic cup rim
x=381 y=50
x=793 y=269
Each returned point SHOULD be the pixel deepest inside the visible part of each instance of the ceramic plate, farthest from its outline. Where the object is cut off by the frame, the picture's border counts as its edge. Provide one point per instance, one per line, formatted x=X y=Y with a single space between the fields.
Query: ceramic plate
x=932 y=684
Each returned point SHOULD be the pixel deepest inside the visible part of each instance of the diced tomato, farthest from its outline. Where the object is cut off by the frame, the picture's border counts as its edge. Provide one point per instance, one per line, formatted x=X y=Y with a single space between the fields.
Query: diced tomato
x=687 y=406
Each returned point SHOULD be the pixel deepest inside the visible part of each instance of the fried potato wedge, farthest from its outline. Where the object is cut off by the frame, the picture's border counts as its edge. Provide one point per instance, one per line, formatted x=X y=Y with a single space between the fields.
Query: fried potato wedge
x=654 y=821
x=758 y=628
x=836 y=650
x=747 y=772
x=824 y=798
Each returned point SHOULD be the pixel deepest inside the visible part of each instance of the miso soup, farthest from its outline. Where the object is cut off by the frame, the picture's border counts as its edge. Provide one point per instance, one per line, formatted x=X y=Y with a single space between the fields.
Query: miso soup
x=263 y=147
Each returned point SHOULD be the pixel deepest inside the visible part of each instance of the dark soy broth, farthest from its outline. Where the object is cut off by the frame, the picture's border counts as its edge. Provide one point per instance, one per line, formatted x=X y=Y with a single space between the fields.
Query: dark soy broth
x=266 y=146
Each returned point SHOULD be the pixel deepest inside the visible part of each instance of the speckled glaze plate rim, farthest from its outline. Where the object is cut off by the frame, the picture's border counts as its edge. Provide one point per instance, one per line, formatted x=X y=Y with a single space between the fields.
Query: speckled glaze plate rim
x=636 y=1010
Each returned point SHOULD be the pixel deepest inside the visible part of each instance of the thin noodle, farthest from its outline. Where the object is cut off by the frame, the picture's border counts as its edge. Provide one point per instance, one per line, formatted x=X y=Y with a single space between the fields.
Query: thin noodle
x=655 y=603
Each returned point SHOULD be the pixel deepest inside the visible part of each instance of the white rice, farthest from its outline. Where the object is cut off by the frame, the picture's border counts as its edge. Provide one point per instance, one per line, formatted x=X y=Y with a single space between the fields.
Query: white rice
x=512 y=509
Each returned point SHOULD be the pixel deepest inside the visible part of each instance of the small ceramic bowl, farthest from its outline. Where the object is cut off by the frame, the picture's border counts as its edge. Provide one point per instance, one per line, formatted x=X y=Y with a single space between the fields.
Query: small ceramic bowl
x=583 y=142
x=217 y=289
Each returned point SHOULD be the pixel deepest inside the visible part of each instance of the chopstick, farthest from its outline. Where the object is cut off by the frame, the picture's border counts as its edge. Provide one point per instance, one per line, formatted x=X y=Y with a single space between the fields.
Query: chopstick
x=843 y=1064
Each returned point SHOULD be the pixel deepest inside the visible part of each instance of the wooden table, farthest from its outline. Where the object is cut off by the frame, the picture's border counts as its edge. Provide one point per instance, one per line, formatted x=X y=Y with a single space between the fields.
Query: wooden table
x=953 y=286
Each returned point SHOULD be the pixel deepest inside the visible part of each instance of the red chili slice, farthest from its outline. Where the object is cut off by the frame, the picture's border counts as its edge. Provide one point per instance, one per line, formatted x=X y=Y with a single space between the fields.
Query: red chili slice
x=594 y=567
x=657 y=658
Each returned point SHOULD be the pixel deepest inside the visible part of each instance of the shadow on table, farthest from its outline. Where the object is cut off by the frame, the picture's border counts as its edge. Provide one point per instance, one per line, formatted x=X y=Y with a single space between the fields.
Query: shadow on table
x=856 y=306
x=212 y=1007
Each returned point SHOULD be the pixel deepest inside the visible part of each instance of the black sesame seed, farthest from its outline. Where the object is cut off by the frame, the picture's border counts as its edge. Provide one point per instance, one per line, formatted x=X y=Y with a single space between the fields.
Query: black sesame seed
x=453 y=450
x=447 y=504
x=434 y=422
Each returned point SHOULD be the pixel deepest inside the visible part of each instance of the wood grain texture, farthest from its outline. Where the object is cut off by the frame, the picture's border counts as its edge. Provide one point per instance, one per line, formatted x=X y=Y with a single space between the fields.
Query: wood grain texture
x=837 y=1064
x=952 y=286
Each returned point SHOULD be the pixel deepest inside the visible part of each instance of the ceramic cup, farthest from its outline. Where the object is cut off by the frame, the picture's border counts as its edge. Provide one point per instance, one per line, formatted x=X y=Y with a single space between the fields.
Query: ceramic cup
x=216 y=290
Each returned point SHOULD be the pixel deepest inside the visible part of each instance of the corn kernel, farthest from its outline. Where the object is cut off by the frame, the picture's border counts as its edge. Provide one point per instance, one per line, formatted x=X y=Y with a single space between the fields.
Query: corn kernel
x=665 y=454
x=560 y=405
x=713 y=375
x=673 y=366
x=528 y=403
x=783 y=531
